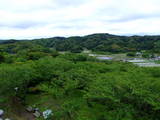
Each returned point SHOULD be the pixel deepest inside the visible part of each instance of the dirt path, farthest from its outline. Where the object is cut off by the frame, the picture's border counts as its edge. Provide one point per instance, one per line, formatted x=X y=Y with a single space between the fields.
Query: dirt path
x=20 y=111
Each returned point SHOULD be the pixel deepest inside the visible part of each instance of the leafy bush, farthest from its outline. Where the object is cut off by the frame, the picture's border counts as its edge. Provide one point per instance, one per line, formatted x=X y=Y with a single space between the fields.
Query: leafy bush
x=131 y=54
x=86 y=89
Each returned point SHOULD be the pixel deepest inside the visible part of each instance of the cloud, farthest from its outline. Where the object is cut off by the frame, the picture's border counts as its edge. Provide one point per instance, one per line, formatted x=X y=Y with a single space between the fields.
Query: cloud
x=135 y=17
x=22 y=19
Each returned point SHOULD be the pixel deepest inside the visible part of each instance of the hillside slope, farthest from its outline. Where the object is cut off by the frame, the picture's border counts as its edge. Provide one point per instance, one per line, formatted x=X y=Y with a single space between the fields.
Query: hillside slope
x=98 y=42
x=103 y=42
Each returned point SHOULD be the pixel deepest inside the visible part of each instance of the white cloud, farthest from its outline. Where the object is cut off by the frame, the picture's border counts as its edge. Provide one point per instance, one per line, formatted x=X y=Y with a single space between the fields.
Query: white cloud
x=22 y=19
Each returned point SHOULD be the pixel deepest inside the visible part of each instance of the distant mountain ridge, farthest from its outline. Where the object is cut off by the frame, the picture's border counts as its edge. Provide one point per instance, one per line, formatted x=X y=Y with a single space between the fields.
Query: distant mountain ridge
x=98 y=42
x=103 y=42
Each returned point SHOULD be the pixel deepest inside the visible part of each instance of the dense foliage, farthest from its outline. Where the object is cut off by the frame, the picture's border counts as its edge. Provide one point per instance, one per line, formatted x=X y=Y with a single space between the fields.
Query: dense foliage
x=76 y=86
x=86 y=88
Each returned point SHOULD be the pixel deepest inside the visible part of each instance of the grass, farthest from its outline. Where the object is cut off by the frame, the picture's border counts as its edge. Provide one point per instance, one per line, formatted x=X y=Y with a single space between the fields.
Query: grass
x=45 y=101
x=158 y=61
x=42 y=101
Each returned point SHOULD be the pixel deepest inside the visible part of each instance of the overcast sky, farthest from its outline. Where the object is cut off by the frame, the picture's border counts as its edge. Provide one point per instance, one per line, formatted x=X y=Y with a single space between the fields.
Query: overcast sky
x=27 y=19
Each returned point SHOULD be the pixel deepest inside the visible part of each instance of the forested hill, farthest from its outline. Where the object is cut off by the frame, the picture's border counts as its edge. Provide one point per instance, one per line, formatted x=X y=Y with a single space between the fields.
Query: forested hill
x=8 y=41
x=100 y=42
x=103 y=42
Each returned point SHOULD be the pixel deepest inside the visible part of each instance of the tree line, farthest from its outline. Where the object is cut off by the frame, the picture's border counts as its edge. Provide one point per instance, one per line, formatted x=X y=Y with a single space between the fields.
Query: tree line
x=96 y=42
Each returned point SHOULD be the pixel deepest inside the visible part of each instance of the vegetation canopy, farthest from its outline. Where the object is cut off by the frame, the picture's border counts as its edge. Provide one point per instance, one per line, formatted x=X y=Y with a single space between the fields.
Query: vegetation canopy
x=76 y=86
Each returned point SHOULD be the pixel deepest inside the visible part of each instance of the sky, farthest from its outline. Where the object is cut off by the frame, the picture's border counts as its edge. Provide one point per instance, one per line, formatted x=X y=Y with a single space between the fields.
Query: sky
x=29 y=19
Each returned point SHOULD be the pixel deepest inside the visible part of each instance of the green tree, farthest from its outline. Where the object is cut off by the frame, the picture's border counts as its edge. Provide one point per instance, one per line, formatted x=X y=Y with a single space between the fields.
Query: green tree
x=2 y=58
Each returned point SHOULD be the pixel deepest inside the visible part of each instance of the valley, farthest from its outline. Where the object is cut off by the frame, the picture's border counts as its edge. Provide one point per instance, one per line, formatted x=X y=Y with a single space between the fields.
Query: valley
x=39 y=82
